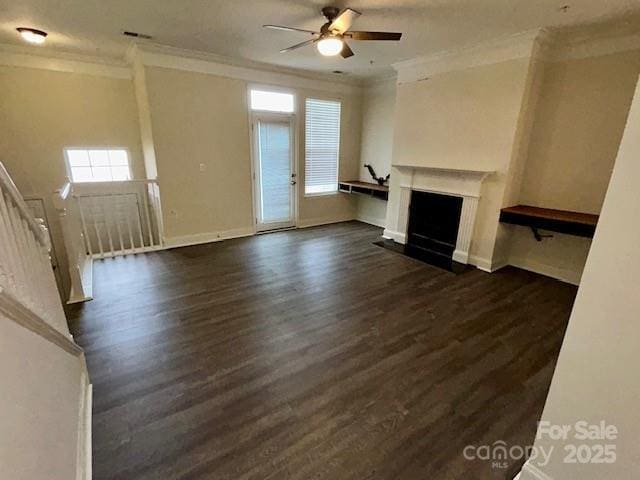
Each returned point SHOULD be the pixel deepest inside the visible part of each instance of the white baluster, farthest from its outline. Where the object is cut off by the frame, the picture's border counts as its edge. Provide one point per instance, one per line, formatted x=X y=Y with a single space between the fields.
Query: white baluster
x=16 y=245
x=114 y=204
x=127 y=213
x=157 y=212
x=97 y=229
x=85 y=233
x=147 y=214
x=139 y=223
x=106 y=216
x=9 y=255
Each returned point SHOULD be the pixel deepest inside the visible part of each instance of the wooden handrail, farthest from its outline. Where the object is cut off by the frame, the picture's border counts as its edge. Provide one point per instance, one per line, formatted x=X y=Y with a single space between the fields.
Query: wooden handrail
x=7 y=186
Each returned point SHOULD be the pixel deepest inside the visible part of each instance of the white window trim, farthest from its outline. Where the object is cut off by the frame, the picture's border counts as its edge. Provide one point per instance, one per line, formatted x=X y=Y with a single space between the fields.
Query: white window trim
x=274 y=89
x=304 y=150
x=323 y=194
x=102 y=147
x=251 y=117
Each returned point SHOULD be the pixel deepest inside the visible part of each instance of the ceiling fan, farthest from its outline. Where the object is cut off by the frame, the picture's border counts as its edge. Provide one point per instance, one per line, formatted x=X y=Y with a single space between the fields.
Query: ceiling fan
x=330 y=40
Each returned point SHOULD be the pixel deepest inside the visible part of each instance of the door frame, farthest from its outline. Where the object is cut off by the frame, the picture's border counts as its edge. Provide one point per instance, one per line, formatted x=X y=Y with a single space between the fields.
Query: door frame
x=256 y=117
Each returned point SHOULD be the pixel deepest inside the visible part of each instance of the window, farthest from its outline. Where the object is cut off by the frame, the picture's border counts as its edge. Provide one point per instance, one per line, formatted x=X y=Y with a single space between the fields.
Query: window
x=322 y=145
x=271 y=101
x=98 y=165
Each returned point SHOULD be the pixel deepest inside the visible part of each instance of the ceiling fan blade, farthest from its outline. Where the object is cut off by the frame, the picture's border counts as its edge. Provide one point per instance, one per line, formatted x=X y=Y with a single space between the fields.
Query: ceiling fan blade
x=346 y=51
x=290 y=29
x=374 y=35
x=298 y=45
x=344 y=20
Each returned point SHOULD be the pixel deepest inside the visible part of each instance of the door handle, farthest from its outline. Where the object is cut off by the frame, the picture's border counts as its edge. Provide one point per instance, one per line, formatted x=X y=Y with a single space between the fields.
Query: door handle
x=293 y=182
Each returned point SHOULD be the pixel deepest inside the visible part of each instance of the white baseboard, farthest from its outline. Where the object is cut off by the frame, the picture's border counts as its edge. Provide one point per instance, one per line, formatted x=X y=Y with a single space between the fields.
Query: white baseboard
x=561 y=274
x=378 y=222
x=84 y=449
x=209 y=237
x=200 y=238
x=395 y=236
x=461 y=257
x=485 y=264
x=498 y=264
x=315 y=222
x=480 y=263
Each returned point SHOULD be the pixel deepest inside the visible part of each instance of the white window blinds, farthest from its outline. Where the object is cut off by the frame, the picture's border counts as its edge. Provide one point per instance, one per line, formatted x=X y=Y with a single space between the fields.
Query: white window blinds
x=322 y=146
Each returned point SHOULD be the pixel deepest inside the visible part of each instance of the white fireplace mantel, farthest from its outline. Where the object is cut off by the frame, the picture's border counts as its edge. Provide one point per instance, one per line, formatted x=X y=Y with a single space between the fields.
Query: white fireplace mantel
x=454 y=181
x=463 y=183
x=463 y=171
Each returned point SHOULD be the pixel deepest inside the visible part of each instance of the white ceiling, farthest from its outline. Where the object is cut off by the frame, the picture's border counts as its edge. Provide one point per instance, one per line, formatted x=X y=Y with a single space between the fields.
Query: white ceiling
x=233 y=28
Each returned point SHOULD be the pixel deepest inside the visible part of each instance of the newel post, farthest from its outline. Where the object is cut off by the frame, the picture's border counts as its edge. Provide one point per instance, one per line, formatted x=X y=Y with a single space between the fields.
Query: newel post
x=80 y=263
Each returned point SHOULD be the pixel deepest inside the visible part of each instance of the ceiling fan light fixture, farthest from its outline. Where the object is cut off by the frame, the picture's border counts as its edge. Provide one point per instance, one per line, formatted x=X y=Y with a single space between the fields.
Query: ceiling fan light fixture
x=330 y=39
x=32 y=35
x=330 y=46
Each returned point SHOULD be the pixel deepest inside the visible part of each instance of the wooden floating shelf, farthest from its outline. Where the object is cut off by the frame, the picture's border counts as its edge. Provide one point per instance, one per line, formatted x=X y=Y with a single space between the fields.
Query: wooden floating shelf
x=561 y=221
x=365 y=188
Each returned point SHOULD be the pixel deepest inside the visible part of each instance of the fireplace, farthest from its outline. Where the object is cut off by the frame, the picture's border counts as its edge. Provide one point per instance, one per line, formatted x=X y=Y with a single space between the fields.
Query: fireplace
x=434 y=220
x=433 y=210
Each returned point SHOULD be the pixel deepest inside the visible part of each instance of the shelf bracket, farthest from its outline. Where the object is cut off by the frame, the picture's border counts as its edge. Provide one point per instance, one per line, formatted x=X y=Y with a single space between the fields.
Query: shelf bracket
x=539 y=236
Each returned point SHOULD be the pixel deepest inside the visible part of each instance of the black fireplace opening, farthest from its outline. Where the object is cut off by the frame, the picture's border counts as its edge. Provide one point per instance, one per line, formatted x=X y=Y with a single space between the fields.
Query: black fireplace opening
x=434 y=220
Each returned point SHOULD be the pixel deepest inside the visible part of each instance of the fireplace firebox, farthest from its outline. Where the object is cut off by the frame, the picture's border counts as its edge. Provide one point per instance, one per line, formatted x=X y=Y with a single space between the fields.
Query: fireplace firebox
x=434 y=220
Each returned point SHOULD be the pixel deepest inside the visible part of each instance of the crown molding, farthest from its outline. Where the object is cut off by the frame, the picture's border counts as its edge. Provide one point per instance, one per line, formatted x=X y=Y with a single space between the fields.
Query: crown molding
x=154 y=55
x=381 y=81
x=550 y=45
x=169 y=57
x=502 y=49
x=580 y=48
x=47 y=59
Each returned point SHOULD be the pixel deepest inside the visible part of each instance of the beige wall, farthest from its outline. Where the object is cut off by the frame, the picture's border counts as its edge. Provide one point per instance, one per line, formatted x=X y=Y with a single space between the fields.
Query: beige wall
x=39 y=406
x=42 y=112
x=460 y=119
x=595 y=378
x=577 y=129
x=199 y=118
x=464 y=119
x=378 y=106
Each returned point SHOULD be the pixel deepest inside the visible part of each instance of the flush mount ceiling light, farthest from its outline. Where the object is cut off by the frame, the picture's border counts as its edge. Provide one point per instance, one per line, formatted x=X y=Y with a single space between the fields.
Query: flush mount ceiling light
x=32 y=35
x=330 y=46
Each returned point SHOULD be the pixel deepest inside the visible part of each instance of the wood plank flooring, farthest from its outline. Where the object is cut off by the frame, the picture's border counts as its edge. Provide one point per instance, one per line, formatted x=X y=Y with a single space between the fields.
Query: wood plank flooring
x=313 y=354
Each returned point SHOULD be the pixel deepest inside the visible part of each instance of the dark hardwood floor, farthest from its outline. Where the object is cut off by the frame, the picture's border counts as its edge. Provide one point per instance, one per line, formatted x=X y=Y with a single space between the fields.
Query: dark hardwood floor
x=313 y=354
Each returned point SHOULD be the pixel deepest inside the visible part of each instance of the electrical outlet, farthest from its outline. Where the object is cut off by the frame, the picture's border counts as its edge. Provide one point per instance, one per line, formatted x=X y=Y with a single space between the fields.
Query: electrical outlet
x=203 y=167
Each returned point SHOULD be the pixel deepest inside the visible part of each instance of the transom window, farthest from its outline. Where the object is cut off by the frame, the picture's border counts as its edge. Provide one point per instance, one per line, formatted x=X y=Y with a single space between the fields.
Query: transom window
x=271 y=101
x=98 y=164
x=322 y=146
